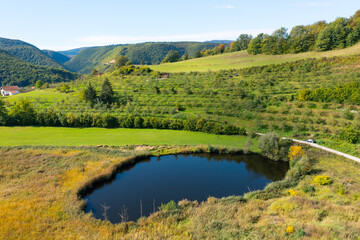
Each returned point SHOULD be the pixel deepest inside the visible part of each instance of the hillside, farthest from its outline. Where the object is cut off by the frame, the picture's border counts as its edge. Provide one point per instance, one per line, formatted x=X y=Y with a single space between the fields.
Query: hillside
x=72 y=52
x=300 y=99
x=28 y=53
x=143 y=53
x=57 y=56
x=14 y=71
x=242 y=59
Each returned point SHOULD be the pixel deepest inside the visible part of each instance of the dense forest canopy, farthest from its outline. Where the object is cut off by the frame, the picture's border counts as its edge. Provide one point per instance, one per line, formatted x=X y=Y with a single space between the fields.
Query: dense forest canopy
x=320 y=36
x=28 y=53
x=143 y=53
x=57 y=56
x=14 y=71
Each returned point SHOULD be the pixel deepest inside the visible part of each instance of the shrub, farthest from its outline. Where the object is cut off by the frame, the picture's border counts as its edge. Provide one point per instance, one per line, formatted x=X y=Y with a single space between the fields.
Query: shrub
x=292 y=192
x=349 y=134
x=300 y=167
x=274 y=147
x=170 y=206
x=295 y=152
x=323 y=180
x=109 y=121
x=138 y=122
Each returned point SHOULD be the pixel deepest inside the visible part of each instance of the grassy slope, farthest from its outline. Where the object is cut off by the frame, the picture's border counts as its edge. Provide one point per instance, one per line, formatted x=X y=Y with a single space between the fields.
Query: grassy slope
x=242 y=59
x=17 y=136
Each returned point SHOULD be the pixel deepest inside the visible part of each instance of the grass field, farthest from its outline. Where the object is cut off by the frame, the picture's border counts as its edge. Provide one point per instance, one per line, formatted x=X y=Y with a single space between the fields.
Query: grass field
x=52 y=136
x=39 y=200
x=242 y=59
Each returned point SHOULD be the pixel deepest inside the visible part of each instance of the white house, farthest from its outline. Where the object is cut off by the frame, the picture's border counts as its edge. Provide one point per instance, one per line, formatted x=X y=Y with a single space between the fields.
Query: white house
x=10 y=90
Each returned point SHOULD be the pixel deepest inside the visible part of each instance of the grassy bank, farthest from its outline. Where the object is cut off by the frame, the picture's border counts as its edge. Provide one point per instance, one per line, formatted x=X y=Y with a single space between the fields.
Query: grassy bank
x=242 y=59
x=39 y=200
x=52 y=136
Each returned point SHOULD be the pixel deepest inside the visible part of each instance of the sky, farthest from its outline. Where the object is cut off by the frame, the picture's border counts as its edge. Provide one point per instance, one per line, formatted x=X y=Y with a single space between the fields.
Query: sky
x=68 y=24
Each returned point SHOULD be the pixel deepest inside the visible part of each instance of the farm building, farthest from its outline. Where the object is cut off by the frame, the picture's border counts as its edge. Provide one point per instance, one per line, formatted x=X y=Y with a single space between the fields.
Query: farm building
x=10 y=90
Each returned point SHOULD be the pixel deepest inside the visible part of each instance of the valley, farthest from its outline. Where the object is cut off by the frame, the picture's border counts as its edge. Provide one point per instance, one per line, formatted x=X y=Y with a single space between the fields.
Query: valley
x=182 y=139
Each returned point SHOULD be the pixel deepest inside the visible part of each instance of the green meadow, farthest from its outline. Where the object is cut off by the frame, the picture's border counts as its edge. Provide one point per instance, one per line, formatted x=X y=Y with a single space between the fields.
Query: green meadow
x=242 y=59
x=46 y=136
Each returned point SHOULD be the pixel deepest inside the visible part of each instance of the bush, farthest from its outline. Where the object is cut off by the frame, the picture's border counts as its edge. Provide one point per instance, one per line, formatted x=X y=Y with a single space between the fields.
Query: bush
x=109 y=121
x=274 y=147
x=295 y=152
x=349 y=134
x=170 y=206
x=323 y=180
x=300 y=167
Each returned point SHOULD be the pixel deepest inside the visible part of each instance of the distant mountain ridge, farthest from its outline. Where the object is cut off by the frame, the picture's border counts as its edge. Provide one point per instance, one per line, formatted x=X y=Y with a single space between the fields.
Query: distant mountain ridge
x=220 y=41
x=72 y=52
x=28 y=53
x=142 y=53
x=57 y=56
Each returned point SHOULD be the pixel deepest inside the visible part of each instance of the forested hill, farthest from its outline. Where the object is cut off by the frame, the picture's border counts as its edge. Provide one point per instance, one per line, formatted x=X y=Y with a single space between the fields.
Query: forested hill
x=27 y=52
x=57 y=56
x=143 y=53
x=72 y=52
x=14 y=71
x=320 y=36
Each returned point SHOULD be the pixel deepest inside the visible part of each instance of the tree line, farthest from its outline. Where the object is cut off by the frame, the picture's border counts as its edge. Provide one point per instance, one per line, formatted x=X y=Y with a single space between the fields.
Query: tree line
x=23 y=114
x=320 y=36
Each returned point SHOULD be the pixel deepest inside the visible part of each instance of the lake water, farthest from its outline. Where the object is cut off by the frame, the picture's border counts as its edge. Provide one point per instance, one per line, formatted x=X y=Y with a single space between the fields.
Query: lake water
x=147 y=184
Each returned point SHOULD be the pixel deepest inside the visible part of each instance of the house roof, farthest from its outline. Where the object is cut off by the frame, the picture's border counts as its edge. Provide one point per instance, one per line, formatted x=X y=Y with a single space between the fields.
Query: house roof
x=11 y=88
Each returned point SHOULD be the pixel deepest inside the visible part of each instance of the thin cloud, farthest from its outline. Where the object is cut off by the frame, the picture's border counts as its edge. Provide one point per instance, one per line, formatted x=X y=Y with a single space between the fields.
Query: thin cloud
x=315 y=4
x=220 y=35
x=225 y=7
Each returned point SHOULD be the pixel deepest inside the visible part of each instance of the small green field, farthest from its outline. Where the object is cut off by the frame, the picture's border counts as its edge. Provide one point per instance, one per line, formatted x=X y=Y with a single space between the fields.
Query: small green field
x=52 y=136
x=242 y=59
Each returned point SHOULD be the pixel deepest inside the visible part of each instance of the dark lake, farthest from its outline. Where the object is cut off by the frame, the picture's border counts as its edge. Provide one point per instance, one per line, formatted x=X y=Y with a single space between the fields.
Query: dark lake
x=159 y=180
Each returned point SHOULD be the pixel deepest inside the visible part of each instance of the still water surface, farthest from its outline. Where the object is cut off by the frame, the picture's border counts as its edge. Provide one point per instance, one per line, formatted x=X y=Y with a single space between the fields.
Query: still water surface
x=157 y=180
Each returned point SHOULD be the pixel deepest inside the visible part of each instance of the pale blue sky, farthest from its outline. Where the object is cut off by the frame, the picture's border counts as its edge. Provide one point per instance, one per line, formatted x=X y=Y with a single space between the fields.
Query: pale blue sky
x=66 y=24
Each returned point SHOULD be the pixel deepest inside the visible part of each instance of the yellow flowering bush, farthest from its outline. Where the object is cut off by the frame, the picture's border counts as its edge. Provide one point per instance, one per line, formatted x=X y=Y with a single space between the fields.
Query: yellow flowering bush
x=290 y=229
x=293 y=192
x=296 y=152
x=323 y=180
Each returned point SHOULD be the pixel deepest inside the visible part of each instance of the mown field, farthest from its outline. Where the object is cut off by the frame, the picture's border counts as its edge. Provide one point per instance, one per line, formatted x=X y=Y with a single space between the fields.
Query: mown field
x=52 y=136
x=242 y=59
x=39 y=200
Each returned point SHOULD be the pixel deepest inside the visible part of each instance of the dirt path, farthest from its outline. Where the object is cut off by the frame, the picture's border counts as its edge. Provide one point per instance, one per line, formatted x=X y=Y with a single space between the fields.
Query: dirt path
x=328 y=150
x=323 y=148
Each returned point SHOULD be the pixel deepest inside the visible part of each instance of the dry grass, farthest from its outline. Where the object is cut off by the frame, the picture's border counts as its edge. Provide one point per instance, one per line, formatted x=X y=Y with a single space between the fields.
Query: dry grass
x=39 y=200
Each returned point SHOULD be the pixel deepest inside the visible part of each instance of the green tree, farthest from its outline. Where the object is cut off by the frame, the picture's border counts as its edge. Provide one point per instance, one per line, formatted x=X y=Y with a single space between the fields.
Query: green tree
x=89 y=94
x=172 y=56
x=304 y=94
x=274 y=147
x=349 y=134
x=120 y=61
x=64 y=88
x=39 y=84
x=184 y=57
x=242 y=42
x=354 y=36
x=254 y=46
x=94 y=72
x=3 y=113
x=23 y=113
x=106 y=93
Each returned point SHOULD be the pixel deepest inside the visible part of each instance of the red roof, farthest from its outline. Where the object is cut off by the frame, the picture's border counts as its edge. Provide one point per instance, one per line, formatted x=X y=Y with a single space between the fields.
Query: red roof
x=11 y=88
